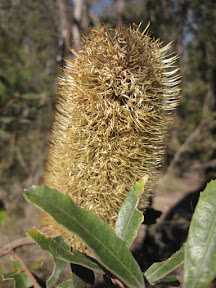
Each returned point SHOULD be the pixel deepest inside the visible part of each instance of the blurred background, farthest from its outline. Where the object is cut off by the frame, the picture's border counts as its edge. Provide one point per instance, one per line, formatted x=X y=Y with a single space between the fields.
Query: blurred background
x=34 y=38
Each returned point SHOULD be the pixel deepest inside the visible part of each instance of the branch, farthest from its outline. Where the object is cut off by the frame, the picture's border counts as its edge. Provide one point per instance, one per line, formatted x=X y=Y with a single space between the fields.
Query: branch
x=192 y=137
x=15 y=244
x=209 y=164
x=183 y=148
x=26 y=270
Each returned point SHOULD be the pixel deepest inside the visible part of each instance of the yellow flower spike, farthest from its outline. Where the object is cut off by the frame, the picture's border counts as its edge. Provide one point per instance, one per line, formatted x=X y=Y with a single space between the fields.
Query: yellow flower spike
x=115 y=105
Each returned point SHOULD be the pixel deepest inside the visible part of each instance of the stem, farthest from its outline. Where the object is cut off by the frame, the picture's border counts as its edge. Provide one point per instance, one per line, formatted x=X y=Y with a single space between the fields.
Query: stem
x=25 y=268
x=15 y=244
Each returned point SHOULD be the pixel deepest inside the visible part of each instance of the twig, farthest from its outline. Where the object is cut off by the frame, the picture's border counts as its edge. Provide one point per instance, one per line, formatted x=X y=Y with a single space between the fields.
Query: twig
x=8 y=248
x=25 y=268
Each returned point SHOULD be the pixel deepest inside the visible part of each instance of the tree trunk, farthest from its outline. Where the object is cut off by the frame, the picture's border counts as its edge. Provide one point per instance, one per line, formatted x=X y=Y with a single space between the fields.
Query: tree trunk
x=66 y=29
x=85 y=21
x=76 y=26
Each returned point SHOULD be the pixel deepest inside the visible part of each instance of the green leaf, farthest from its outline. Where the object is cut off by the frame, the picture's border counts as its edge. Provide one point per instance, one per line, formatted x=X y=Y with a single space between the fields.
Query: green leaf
x=7 y=119
x=31 y=96
x=172 y=281
x=21 y=280
x=168 y=279
x=109 y=249
x=23 y=121
x=157 y=271
x=200 y=247
x=59 y=249
x=129 y=218
x=10 y=275
x=58 y=268
x=3 y=216
x=4 y=134
x=67 y=284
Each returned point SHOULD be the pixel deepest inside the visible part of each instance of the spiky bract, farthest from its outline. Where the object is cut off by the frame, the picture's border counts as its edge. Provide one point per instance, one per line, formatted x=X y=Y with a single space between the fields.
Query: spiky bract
x=113 y=113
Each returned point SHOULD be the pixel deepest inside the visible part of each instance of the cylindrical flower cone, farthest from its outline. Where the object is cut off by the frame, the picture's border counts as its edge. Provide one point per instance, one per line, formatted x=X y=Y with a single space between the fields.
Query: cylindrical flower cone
x=115 y=106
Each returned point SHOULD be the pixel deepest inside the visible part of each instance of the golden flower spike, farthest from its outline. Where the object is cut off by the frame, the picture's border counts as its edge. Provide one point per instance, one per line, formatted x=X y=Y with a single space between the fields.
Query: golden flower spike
x=115 y=105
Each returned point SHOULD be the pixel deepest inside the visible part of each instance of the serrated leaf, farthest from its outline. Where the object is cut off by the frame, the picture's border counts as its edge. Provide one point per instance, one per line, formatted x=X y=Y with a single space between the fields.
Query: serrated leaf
x=109 y=249
x=59 y=249
x=200 y=247
x=3 y=216
x=58 y=268
x=157 y=271
x=129 y=218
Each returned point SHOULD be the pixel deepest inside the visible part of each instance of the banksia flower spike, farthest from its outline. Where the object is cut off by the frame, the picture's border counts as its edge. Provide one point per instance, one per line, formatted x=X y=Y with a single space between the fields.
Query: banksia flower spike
x=115 y=107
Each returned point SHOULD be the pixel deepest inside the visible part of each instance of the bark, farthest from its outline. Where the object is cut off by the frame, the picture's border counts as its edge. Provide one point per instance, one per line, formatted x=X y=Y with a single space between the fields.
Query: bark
x=76 y=26
x=65 y=19
x=85 y=20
